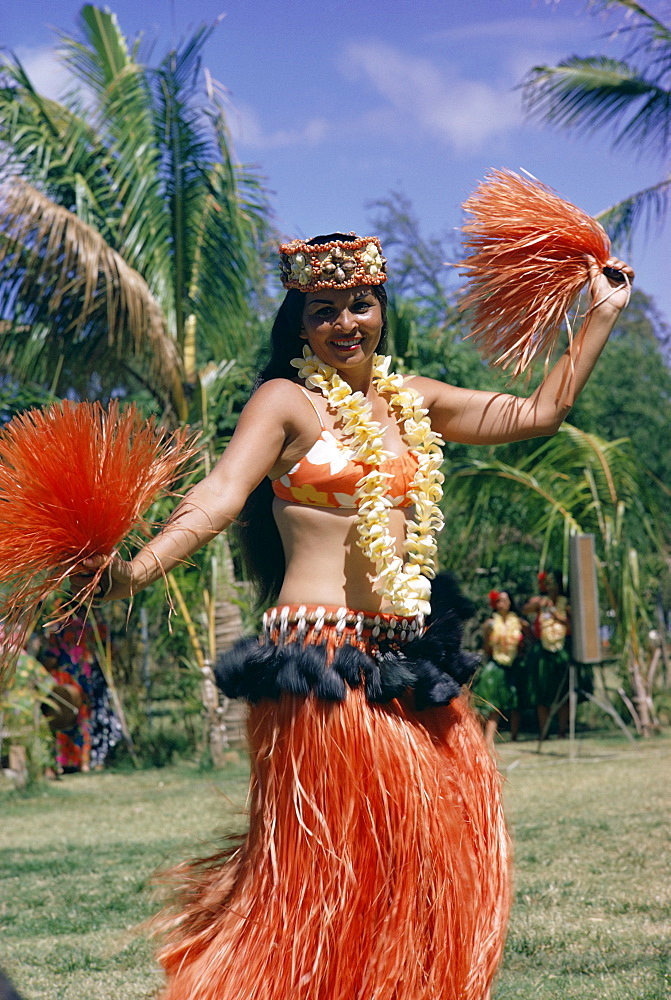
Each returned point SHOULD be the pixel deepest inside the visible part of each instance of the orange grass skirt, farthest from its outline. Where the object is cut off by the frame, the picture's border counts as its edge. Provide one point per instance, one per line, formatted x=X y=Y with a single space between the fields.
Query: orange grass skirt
x=376 y=867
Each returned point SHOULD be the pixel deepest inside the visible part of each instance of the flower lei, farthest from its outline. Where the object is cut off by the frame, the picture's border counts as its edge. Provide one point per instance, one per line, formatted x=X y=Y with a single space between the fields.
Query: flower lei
x=552 y=631
x=505 y=637
x=403 y=581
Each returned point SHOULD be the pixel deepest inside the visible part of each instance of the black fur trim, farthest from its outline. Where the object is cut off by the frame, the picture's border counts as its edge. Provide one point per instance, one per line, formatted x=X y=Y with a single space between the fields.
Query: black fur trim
x=435 y=666
x=350 y=663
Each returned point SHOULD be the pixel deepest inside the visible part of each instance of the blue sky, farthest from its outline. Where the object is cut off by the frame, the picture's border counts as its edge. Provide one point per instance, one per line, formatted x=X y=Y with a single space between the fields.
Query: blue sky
x=340 y=103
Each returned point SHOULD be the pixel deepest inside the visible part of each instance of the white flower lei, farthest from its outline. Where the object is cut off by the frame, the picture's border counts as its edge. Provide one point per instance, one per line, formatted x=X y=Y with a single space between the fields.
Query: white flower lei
x=402 y=581
x=505 y=637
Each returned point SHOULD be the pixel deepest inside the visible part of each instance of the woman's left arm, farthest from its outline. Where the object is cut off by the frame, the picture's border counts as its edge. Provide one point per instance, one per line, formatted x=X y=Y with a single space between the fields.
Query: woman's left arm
x=476 y=417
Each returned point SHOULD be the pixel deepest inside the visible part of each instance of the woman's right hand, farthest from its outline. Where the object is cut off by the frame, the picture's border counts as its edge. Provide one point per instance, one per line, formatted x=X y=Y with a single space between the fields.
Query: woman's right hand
x=115 y=581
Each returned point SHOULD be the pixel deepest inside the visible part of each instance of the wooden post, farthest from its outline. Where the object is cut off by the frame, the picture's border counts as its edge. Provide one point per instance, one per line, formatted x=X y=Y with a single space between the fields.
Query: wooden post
x=216 y=726
x=18 y=765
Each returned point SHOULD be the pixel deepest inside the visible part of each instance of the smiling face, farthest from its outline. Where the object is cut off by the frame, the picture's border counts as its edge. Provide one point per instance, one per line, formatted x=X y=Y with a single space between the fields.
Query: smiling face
x=342 y=326
x=503 y=603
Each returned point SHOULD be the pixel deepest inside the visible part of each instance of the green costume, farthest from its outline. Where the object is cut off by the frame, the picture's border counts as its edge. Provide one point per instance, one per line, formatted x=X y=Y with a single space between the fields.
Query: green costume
x=495 y=686
x=549 y=659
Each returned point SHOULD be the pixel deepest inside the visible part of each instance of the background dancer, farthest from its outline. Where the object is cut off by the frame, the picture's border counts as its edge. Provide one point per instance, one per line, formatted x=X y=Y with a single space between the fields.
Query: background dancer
x=377 y=861
x=499 y=684
x=549 y=659
x=69 y=654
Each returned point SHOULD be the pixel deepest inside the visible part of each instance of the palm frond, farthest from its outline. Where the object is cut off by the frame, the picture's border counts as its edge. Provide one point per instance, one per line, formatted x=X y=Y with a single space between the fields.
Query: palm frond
x=227 y=271
x=63 y=275
x=186 y=148
x=647 y=207
x=572 y=450
x=654 y=34
x=103 y=56
x=217 y=208
x=55 y=148
x=168 y=223
x=124 y=120
x=598 y=92
x=649 y=130
x=480 y=471
x=575 y=476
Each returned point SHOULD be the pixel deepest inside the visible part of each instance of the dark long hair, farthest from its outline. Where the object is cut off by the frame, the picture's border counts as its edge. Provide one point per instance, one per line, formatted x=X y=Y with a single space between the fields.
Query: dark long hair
x=259 y=540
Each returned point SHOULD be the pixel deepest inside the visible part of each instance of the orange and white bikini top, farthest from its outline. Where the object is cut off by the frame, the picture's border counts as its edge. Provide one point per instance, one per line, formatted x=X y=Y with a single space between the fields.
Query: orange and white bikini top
x=327 y=475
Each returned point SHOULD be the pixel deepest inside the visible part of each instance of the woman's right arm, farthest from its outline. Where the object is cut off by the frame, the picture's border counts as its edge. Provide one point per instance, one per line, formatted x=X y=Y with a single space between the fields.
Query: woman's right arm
x=266 y=425
x=533 y=605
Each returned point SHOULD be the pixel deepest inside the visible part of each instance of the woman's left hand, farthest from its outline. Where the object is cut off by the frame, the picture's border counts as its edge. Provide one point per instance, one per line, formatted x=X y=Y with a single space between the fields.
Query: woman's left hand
x=609 y=291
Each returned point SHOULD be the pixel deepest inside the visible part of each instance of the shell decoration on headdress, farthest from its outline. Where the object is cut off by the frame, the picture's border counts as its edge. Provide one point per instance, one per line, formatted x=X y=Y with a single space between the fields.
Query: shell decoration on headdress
x=337 y=263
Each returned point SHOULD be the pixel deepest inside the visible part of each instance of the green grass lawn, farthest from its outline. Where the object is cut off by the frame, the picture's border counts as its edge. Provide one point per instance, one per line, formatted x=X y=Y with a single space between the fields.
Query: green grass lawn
x=592 y=917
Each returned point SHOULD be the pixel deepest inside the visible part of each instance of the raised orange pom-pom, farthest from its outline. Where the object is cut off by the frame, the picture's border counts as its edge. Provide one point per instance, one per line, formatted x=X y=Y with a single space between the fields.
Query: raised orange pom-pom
x=74 y=481
x=527 y=260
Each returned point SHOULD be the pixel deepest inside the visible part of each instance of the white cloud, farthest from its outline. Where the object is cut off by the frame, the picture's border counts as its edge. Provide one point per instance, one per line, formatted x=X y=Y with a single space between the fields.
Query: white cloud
x=464 y=113
x=517 y=44
x=247 y=130
x=47 y=73
x=513 y=30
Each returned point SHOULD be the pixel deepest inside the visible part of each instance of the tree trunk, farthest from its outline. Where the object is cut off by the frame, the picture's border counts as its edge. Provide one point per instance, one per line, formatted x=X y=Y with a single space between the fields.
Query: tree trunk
x=641 y=698
x=217 y=734
x=18 y=765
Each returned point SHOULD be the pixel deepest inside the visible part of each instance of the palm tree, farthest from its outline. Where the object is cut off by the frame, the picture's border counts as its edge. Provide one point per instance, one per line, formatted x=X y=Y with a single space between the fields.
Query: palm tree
x=128 y=235
x=631 y=97
x=129 y=239
x=577 y=483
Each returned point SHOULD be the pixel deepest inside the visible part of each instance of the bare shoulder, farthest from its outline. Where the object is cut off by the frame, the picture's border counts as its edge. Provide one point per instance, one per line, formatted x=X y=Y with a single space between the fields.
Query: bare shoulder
x=276 y=390
x=279 y=398
x=272 y=418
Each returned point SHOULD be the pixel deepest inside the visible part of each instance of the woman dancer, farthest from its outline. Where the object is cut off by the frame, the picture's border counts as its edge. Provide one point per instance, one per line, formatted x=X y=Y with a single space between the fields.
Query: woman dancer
x=549 y=658
x=497 y=684
x=70 y=657
x=376 y=863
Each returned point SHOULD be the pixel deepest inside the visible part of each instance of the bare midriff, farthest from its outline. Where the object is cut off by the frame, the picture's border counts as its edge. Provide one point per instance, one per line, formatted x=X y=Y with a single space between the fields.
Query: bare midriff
x=324 y=565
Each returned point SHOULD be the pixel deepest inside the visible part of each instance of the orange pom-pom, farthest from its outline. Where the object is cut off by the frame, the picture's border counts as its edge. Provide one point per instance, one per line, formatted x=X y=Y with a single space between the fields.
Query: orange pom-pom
x=74 y=481
x=527 y=260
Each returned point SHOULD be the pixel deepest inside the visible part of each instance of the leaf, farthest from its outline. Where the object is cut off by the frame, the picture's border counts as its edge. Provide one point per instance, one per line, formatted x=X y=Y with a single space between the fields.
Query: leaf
x=648 y=207
x=141 y=156
x=628 y=98
x=66 y=275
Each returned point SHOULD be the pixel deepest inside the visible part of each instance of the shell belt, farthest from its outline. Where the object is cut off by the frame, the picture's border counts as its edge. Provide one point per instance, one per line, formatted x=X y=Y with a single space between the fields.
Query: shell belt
x=305 y=623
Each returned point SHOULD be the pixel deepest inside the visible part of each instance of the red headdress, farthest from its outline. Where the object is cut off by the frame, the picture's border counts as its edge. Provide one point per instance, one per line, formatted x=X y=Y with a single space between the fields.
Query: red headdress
x=74 y=481
x=542 y=577
x=341 y=262
x=493 y=597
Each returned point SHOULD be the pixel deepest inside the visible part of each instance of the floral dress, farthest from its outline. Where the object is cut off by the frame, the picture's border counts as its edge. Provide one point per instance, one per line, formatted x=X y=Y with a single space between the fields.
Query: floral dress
x=88 y=742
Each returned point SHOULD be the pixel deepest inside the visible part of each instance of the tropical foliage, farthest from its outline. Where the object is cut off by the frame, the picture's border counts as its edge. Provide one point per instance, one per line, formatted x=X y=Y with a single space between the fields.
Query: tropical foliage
x=629 y=395
x=629 y=97
x=131 y=263
x=128 y=235
x=575 y=483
